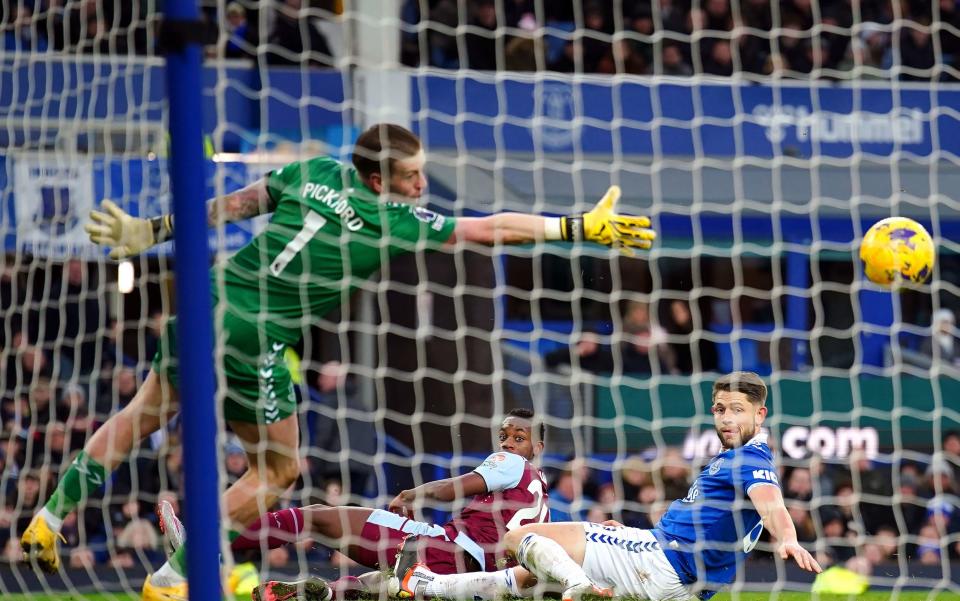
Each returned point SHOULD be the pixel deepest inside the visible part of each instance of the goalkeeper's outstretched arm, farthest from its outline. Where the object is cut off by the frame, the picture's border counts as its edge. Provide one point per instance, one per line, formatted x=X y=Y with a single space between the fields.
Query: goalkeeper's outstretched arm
x=128 y=236
x=602 y=224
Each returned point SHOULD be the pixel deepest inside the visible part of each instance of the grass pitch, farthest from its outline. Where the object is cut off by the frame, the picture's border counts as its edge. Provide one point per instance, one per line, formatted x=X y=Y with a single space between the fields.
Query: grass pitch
x=787 y=596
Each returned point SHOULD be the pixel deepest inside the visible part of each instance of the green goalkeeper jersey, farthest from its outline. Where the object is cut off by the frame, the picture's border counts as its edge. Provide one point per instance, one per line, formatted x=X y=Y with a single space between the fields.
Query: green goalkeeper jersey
x=328 y=234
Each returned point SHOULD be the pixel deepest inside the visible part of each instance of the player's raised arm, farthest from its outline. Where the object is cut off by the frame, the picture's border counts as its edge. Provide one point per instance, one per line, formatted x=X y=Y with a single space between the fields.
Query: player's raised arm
x=602 y=225
x=128 y=236
x=446 y=490
x=769 y=504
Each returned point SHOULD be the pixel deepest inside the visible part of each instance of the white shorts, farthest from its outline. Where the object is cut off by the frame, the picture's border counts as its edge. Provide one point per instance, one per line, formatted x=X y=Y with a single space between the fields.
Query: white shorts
x=630 y=561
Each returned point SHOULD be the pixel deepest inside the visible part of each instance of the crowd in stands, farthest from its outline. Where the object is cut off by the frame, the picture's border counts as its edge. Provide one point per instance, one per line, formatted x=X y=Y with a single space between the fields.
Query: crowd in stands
x=883 y=39
x=86 y=27
x=648 y=346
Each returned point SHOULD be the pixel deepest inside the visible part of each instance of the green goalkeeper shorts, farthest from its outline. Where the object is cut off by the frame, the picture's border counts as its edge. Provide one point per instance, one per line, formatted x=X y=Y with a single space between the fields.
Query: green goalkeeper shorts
x=253 y=381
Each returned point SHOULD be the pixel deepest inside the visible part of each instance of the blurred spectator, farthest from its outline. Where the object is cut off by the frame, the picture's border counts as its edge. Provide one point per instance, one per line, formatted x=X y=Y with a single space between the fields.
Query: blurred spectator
x=115 y=389
x=951 y=446
x=74 y=410
x=640 y=337
x=916 y=53
x=806 y=530
x=798 y=484
x=634 y=474
x=587 y=354
x=886 y=543
x=237 y=44
x=928 y=546
x=173 y=469
x=568 y=499
x=236 y=461
x=24 y=498
x=74 y=320
x=911 y=506
x=338 y=426
x=718 y=59
x=837 y=536
x=673 y=477
x=678 y=323
x=713 y=20
x=673 y=61
x=623 y=57
x=19 y=31
x=444 y=16
x=589 y=44
x=940 y=478
x=522 y=52
x=295 y=39
x=134 y=536
x=641 y=25
x=870 y=52
x=754 y=46
x=943 y=344
x=481 y=37
x=873 y=481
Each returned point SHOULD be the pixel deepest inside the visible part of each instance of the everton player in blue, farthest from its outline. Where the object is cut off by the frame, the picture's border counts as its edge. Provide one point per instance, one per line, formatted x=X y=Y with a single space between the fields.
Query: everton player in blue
x=696 y=547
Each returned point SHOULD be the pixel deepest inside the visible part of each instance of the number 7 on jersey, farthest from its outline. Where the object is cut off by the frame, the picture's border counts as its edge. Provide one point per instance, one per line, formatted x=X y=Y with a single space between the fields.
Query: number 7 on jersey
x=311 y=225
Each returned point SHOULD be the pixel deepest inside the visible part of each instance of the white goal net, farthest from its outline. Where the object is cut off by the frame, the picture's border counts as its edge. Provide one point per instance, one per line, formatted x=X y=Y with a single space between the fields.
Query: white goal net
x=761 y=138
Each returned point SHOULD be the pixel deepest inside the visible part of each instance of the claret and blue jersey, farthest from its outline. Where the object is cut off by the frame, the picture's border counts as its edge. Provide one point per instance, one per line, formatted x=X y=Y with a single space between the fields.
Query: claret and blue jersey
x=708 y=533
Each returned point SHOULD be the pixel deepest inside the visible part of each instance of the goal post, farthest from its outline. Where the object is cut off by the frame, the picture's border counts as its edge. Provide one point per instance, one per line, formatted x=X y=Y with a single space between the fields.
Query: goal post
x=195 y=359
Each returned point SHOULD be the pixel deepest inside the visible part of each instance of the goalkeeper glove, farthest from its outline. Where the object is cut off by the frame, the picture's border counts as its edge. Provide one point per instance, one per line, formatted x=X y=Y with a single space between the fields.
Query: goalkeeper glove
x=126 y=235
x=605 y=226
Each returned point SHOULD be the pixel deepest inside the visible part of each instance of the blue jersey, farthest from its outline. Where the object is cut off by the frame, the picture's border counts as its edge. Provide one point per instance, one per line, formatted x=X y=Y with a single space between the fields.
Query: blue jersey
x=707 y=533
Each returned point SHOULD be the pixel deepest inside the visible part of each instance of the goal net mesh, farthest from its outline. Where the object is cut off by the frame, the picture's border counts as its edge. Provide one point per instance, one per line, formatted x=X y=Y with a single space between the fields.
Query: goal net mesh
x=762 y=140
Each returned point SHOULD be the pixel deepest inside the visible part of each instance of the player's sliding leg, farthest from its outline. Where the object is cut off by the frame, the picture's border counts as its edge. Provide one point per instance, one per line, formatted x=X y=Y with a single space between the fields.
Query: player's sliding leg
x=337 y=527
x=548 y=552
x=109 y=446
x=555 y=552
x=418 y=581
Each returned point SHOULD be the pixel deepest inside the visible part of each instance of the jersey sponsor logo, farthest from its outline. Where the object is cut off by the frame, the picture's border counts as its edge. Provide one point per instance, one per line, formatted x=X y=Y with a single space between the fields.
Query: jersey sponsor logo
x=632 y=546
x=767 y=475
x=715 y=466
x=493 y=460
x=336 y=201
x=428 y=216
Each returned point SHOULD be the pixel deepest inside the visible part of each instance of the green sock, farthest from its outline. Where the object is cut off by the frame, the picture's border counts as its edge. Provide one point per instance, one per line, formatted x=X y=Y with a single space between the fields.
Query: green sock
x=83 y=477
x=178 y=561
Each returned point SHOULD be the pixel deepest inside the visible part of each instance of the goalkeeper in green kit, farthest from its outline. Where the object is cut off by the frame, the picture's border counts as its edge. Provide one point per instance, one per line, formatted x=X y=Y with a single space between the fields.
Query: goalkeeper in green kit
x=333 y=225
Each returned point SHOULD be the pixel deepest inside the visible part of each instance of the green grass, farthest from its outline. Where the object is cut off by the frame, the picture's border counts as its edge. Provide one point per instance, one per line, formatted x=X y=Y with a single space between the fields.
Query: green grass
x=791 y=596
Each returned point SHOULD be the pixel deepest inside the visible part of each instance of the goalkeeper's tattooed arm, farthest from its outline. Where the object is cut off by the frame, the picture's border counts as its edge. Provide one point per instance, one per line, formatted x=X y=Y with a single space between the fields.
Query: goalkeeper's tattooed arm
x=243 y=204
